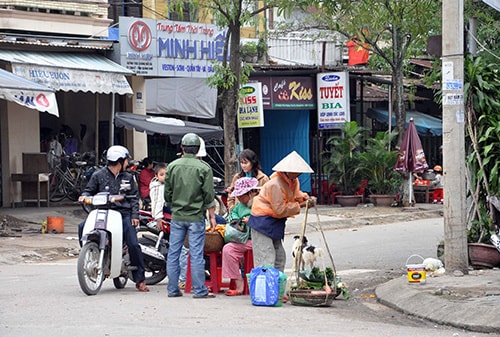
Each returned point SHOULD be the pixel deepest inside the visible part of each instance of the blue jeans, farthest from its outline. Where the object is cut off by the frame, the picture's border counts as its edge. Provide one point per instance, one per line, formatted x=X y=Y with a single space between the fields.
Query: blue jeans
x=196 y=233
x=183 y=264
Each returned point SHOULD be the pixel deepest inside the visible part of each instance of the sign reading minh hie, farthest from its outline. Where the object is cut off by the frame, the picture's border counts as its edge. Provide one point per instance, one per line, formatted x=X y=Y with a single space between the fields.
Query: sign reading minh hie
x=163 y=48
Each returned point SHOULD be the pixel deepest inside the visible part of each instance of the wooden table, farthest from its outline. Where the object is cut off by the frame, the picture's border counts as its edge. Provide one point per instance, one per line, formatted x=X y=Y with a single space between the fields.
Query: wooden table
x=31 y=185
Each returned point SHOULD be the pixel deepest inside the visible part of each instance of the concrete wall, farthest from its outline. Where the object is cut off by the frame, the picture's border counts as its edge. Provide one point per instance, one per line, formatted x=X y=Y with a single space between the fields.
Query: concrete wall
x=20 y=133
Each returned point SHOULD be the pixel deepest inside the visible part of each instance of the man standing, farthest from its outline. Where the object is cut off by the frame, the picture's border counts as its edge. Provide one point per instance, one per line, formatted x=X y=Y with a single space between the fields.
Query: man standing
x=189 y=192
x=116 y=180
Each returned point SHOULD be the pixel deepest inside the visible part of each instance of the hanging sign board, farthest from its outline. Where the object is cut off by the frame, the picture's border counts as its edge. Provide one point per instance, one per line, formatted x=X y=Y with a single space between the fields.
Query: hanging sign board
x=333 y=100
x=250 y=109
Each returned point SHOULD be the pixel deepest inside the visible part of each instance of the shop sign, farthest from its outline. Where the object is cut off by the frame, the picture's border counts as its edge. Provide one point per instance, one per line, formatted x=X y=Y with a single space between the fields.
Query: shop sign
x=167 y=48
x=250 y=109
x=333 y=100
x=287 y=93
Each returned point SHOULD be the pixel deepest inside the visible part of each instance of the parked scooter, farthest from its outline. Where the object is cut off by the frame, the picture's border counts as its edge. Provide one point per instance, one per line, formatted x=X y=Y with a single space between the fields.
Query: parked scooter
x=154 y=247
x=103 y=254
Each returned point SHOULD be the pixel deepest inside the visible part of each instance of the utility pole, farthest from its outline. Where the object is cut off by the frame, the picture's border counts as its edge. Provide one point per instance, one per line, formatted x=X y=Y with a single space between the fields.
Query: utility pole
x=455 y=227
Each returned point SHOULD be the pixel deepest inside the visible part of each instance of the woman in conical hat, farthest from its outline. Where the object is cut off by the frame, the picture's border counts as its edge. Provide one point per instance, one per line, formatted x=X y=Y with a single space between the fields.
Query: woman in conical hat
x=279 y=199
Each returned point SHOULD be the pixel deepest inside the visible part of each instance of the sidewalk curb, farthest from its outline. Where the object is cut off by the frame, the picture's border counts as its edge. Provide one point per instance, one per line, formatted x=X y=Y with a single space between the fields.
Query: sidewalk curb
x=424 y=302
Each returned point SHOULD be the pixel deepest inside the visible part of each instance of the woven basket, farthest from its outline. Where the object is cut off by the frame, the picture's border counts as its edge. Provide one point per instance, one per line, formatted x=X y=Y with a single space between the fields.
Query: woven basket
x=213 y=242
x=311 y=298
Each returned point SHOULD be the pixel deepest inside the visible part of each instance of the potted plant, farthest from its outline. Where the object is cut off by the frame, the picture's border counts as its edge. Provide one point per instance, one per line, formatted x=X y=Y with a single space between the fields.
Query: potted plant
x=377 y=166
x=249 y=52
x=482 y=160
x=342 y=159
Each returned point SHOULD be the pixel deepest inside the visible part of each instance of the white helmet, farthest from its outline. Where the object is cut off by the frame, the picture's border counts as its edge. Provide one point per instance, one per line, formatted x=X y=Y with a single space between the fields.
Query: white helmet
x=117 y=152
x=202 y=152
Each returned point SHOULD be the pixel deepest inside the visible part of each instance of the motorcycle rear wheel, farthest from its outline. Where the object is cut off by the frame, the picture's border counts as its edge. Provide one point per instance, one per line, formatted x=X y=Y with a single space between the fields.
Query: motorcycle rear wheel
x=89 y=275
x=120 y=282
x=153 y=275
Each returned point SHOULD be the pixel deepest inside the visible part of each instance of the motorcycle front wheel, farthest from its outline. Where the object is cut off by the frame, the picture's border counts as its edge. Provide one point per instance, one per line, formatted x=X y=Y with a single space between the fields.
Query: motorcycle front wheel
x=90 y=276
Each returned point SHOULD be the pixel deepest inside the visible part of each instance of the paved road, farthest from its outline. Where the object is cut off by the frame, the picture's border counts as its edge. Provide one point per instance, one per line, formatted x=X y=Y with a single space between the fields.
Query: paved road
x=44 y=299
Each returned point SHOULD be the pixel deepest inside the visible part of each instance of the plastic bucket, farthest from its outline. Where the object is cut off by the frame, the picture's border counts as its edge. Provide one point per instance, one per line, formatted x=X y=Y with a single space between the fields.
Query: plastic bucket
x=416 y=271
x=55 y=224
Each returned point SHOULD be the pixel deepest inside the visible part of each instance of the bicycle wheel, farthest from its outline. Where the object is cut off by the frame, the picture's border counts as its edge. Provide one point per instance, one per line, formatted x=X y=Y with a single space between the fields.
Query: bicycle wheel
x=69 y=186
x=56 y=189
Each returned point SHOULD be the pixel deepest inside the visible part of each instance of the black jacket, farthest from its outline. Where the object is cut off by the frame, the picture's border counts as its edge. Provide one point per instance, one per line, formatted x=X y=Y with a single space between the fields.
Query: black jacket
x=124 y=184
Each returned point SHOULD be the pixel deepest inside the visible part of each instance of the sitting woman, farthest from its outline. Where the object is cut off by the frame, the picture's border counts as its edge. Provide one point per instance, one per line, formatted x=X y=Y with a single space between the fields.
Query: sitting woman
x=244 y=190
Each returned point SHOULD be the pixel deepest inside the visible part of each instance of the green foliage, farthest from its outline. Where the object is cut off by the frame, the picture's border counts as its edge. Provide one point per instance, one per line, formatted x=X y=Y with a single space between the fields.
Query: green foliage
x=342 y=158
x=482 y=103
x=479 y=231
x=377 y=165
x=315 y=279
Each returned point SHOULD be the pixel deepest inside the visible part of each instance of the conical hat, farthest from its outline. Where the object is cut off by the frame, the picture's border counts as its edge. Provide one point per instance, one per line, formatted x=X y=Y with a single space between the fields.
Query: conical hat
x=293 y=163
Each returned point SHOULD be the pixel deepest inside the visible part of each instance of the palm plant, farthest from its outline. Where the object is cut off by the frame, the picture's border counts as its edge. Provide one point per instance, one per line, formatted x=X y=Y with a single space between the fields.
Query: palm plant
x=482 y=103
x=342 y=158
x=377 y=165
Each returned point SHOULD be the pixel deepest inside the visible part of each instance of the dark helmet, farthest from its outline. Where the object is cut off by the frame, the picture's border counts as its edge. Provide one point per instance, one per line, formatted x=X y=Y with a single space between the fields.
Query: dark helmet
x=190 y=139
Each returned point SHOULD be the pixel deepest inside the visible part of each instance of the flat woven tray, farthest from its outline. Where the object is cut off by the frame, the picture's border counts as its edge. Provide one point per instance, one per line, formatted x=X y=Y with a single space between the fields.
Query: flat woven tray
x=311 y=298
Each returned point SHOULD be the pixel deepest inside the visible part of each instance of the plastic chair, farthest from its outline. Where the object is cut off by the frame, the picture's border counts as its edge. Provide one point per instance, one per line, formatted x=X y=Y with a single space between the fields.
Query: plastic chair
x=333 y=191
x=361 y=190
x=213 y=283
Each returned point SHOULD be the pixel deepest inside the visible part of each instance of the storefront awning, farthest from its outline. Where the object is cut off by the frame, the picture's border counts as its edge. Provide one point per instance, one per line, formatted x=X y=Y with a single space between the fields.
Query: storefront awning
x=426 y=125
x=172 y=127
x=26 y=93
x=70 y=71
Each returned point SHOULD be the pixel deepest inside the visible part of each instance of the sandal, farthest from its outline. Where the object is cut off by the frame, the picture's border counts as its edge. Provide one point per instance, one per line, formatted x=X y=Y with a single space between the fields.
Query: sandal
x=233 y=292
x=141 y=286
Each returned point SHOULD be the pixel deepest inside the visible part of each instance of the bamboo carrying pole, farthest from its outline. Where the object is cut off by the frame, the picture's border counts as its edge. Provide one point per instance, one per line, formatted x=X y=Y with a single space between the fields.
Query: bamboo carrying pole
x=298 y=253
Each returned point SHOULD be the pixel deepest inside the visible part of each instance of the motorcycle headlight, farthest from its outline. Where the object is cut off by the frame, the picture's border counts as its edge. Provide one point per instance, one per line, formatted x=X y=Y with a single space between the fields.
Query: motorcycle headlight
x=99 y=200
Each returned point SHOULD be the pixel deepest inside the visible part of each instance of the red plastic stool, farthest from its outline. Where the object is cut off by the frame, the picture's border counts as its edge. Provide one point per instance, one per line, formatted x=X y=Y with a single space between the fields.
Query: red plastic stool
x=213 y=283
x=247 y=268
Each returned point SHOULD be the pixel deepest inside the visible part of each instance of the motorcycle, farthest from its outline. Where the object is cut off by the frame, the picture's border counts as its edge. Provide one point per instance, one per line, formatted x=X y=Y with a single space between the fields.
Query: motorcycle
x=103 y=254
x=221 y=194
x=154 y=247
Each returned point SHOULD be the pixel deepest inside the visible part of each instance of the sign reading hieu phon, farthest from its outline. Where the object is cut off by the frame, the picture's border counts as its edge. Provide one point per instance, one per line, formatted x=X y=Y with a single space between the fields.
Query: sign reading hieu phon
x=250 y=109
x=170 y=48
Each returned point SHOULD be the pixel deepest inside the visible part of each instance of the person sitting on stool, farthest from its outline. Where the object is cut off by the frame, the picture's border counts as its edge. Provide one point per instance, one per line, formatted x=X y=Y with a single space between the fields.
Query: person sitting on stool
x=437 y=183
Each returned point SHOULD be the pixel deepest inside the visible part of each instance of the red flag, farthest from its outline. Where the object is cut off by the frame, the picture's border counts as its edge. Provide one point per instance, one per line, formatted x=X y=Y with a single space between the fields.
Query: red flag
x=358 y=52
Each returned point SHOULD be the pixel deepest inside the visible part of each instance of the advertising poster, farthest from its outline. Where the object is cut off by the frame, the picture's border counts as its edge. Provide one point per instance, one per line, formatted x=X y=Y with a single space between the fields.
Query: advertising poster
x=333 y=100
x=170 y=48
x=288 y=93
x=250 y=109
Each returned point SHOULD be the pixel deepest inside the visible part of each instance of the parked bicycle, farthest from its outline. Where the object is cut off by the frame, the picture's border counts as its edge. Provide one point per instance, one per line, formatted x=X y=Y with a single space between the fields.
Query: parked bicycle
x=69 y=178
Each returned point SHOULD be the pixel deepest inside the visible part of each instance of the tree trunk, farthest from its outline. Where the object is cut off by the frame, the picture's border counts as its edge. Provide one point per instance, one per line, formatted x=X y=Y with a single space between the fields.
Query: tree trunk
x=397 y=80
x=230 y=107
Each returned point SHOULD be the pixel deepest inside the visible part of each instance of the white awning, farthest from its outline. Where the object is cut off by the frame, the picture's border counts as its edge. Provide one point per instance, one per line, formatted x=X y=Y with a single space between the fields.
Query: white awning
x=70 y=71
x=26 y=93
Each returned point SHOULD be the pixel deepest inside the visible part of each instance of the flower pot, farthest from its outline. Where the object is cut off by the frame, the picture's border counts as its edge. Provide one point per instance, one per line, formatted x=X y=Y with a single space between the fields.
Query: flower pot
x=382 y=200
x=348 y=200
x=483 y=255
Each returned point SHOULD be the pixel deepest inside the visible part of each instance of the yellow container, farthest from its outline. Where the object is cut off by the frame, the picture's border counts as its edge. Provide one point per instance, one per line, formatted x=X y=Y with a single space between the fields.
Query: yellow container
x=416 y=272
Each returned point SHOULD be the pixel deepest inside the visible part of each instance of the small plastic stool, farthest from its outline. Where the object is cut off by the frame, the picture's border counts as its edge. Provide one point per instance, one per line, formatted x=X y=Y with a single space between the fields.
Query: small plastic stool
x=213 y=283
x=247 y=268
